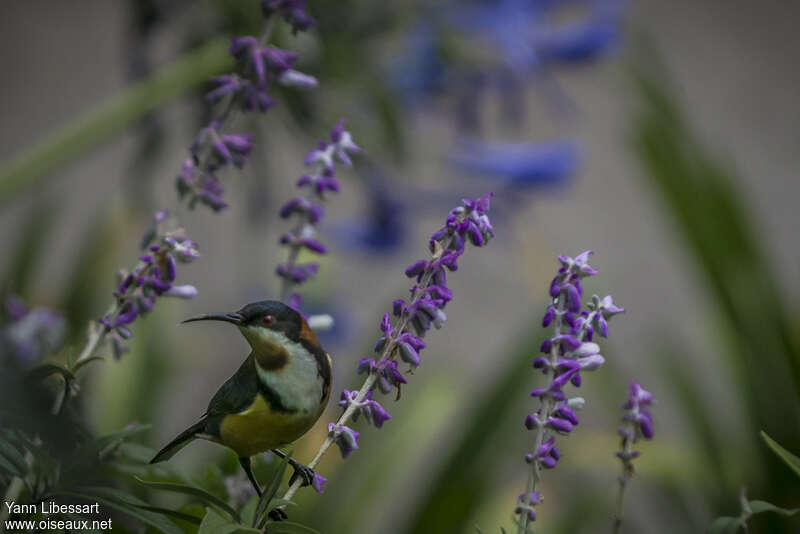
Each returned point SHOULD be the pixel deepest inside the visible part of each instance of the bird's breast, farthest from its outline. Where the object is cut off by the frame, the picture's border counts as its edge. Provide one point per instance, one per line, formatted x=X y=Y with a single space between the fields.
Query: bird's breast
x=260 y=428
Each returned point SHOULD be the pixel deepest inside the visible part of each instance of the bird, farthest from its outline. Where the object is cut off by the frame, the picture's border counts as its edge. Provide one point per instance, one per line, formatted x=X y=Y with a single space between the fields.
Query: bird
x=275 y=396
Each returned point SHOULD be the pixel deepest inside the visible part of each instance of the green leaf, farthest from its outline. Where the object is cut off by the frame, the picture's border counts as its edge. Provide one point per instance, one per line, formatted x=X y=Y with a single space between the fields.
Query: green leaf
x=193 y=519
x=127 y=504
x=112 y=116
x=726 y=525
x=213 y=523
x=32 y=241
x=758 y=507
x=290 y=527
x=13 y=461
x=788 y=458
x=192 y=491
x=270 y=490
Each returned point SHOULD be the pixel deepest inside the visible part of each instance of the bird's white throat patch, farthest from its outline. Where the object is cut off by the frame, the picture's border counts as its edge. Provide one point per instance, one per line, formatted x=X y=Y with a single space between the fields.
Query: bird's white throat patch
x=297 y=383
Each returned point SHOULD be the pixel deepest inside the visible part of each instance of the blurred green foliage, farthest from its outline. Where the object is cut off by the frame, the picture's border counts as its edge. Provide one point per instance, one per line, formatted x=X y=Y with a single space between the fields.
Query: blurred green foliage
x=701 y=197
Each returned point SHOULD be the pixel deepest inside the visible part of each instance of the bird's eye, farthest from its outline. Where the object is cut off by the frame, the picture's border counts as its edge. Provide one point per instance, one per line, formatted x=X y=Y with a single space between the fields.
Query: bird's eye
x=267 y=320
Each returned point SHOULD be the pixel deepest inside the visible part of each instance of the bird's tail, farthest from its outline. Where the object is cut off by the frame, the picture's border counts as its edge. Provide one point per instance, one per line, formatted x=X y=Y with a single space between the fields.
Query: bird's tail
x=180 y=442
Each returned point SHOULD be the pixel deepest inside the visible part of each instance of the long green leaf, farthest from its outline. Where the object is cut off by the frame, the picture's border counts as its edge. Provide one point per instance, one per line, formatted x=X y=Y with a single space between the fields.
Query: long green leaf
x=726 y=525
x=788 y=458
x=113 y=116
x=270 y=490
x=201 y=494
x=758 y=507
x=193 y=519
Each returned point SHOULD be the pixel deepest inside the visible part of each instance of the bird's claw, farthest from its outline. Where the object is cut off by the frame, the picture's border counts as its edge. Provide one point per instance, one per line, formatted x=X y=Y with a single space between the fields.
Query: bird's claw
x=305 y=473
x=277 y=514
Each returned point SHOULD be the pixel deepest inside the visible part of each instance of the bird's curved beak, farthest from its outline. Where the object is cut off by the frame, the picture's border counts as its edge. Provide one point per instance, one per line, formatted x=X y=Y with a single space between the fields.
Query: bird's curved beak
x=233 y=318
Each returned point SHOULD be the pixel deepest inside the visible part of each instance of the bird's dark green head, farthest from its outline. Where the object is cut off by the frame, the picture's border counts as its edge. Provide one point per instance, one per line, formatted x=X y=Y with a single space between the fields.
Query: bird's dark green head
x=265 y=324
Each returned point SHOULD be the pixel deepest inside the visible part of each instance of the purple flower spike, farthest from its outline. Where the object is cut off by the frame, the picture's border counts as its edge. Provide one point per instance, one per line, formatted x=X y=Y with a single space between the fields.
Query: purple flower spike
x=306 y=211
x=637 y=422
x=566 y=354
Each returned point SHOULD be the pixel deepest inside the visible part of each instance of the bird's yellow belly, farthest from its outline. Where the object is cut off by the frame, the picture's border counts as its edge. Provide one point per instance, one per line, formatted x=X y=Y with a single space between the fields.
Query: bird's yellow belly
x=260 y=428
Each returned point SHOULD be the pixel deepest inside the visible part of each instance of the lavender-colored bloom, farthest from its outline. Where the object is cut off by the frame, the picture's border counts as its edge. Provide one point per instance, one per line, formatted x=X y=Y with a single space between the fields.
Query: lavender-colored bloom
x=307 y=212
x=345 y=437
x=293 y=11
x=318 y=482
x=386 y=371
x=525 y=503
x=637 y=422
x=228 y=84
x=154 y=277
x=427 y=299
x=372 y=410
x=567 y=354
x=28 y=335
x=297 y=273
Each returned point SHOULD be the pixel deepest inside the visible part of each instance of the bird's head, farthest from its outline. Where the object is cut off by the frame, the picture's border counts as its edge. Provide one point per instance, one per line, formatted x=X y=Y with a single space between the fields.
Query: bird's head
x=268 y=326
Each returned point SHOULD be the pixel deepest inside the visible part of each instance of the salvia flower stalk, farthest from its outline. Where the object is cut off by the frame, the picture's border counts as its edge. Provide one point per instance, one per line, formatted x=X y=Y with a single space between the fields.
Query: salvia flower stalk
x=245 y=91
x=153 y=277
x=401 y=340
x=569 y=352
x=307 y=210
x=637 y=423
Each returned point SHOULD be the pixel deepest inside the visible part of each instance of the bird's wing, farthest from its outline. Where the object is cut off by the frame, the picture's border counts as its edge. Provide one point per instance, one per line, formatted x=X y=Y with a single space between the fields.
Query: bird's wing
x=235 y=395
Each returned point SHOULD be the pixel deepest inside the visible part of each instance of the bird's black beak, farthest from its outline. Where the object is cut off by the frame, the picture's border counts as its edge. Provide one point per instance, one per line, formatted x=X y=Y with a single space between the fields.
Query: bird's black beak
x=233 y=318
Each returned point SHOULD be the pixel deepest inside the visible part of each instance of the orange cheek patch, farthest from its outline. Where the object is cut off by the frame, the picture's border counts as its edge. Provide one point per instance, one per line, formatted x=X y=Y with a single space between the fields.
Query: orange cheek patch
x=308 y=335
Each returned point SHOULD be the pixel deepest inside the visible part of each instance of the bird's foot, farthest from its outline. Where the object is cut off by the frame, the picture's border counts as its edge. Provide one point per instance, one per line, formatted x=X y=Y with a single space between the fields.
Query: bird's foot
x=277 y=514
x=306 y=474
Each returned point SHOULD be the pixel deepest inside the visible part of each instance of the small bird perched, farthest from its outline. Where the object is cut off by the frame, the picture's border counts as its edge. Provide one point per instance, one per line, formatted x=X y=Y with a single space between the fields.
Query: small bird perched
x=275 y=397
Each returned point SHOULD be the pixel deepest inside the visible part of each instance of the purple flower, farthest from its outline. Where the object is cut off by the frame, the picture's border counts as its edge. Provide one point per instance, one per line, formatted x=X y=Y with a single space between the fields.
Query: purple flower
x=308 y=213
x=386 y=371
x=567 y=353
x=29 y=335
x=318 y=482
x=154 y=277
x=297 y=273
x=372 y=410
x=525 y=504
x=345 y=437
x=228 y=84
x=293 y=11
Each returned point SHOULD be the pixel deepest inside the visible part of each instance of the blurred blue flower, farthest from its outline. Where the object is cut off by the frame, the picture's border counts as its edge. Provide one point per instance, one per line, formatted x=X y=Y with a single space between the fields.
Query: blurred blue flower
x=381 y=229
x=420 y=70
x=521 y=165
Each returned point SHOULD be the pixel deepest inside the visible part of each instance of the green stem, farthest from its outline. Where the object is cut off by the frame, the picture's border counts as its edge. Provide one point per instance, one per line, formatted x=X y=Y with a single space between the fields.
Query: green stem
x=112 y=116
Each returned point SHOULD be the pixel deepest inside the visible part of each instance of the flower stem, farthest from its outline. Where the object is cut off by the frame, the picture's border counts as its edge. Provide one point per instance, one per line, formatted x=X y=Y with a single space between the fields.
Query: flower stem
x=627 y=472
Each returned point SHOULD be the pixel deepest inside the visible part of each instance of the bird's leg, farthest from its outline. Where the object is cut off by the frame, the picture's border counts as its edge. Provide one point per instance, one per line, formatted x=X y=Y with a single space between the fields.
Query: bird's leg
x=305 y=473
x=244 y=461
